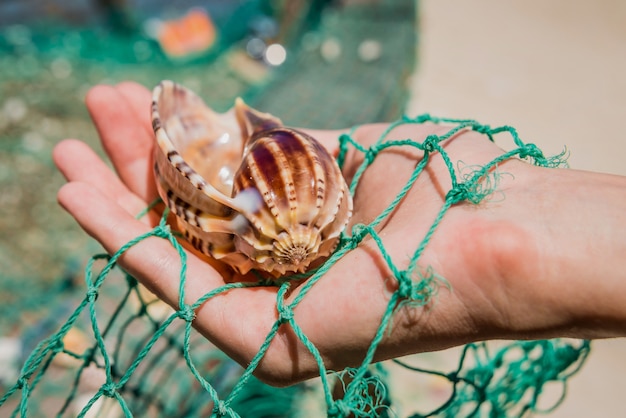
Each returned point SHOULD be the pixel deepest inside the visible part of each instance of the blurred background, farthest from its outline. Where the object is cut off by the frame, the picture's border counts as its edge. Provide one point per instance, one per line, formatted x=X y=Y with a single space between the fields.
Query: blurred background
x=554 y=70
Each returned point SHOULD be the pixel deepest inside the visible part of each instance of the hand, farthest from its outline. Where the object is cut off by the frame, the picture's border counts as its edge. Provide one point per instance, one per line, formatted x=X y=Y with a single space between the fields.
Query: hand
x=518 y=266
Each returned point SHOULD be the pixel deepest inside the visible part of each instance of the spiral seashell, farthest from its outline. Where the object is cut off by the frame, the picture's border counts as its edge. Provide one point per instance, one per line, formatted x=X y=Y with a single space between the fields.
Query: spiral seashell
x=245 y=189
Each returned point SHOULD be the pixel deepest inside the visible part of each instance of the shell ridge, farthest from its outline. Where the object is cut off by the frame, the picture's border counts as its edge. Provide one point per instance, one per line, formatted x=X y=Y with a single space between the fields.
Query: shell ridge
x=257 y=181
x=285 y=220
x=243 y=188
x=312 y=195
x=320 y=175
x=330 y=193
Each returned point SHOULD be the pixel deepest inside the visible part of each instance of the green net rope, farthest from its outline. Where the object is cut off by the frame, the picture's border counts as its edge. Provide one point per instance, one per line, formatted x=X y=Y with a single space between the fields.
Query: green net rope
x=137 y=352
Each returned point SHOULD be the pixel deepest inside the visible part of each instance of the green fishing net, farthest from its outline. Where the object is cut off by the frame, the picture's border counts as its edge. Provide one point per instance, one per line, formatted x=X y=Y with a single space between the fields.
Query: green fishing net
x=144 y=360
x=89 y=340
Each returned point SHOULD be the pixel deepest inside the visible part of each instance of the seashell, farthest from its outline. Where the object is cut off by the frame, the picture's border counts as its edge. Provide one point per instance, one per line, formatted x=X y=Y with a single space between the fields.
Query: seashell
x=245 y=189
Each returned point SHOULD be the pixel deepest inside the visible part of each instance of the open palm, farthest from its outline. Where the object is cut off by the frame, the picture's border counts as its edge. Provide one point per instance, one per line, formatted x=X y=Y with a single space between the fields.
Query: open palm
x=477 y=249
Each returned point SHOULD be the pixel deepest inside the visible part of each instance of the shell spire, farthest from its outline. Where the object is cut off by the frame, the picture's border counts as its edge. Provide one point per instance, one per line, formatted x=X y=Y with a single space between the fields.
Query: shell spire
x=252 y=122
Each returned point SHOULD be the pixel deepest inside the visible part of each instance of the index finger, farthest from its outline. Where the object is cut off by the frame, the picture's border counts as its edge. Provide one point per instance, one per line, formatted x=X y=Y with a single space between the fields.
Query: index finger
x=125 y=133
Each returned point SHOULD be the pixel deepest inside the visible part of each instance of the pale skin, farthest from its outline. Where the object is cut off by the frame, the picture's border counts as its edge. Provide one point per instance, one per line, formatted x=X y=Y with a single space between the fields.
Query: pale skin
x=545 y=259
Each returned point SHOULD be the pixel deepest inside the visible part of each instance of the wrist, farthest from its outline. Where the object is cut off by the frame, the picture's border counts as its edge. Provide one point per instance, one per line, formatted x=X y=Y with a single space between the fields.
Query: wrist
x=575 y=278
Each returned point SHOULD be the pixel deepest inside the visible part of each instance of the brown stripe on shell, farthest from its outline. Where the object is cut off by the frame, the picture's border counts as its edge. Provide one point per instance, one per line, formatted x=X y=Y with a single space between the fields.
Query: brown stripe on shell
x=179 y=206
x=333 y=190
x=284 y=167
x=302 y=202
x=315 y=153
x=186 y=170
x=323 y=170
x=156 y=124
x=198 y=243
x=290 y=169
x=283 y=186
x=303 y=167
x=254 y=172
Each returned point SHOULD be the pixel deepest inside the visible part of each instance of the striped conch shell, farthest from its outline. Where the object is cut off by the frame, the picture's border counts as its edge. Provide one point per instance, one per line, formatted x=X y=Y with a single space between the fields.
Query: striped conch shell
x=245 y=189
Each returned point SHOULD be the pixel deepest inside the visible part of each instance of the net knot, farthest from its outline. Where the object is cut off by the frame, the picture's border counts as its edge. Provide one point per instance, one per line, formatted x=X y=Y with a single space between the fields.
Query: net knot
x=531 y=150
x=482 y=129
x=405 y=285
x=370 y=155
x=56 y=345
x=358 y=232
x=285 y=314
x=429 y=144
x=453 y=377
x=339 y=409
x=109 y=390
x=344 y=138
x=458 y=193
x=186 y=313
x=220 y=409
x=92 y=293
x=162 y=230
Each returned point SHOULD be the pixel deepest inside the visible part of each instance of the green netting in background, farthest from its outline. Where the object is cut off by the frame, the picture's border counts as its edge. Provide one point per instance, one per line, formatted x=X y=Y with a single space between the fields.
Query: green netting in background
x=109 y=347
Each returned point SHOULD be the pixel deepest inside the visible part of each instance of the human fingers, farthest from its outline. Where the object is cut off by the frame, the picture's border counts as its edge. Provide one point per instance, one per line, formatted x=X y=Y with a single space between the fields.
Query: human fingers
x=137 y=96
x=237 y=321
x=78 y=162
x=111 y=225
x=124 y=135
x=154 y=262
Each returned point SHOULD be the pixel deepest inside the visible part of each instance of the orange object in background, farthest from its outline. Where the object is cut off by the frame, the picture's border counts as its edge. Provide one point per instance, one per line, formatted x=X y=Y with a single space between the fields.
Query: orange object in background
x=192 y=34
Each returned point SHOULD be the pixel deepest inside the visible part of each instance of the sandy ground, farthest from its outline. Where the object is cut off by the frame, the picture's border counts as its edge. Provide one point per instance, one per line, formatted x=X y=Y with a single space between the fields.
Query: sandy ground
x=554 y=70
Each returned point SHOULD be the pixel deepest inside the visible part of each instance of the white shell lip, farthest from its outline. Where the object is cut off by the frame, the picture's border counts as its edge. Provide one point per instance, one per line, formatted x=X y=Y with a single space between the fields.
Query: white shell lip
x=172 y=139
